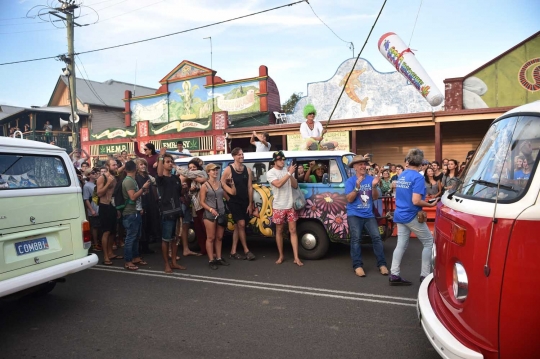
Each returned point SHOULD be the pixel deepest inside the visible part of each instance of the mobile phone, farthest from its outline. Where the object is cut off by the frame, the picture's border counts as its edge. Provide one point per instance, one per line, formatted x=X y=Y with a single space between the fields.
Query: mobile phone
x=433 y=200
x=288 y=163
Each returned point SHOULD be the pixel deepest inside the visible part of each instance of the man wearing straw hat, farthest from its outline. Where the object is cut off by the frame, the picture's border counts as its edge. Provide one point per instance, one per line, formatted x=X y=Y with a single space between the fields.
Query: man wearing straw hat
x=361 y=191
x=312 y=131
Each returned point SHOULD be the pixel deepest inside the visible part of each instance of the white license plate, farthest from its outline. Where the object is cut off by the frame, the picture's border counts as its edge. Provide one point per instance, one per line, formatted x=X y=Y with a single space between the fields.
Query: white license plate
x=31 y=246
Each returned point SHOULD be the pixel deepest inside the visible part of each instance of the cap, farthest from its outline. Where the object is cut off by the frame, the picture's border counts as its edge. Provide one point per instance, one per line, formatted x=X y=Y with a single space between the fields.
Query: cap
x=425 y=162
x=358 y=159
x=278 y=155
x=89 y=171
x=210 y=167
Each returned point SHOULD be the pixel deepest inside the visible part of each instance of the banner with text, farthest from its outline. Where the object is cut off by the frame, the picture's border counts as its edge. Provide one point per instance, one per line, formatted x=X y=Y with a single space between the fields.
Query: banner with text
x=112 y=149
x=192 y=144
x=340 y=140
x=180 y=126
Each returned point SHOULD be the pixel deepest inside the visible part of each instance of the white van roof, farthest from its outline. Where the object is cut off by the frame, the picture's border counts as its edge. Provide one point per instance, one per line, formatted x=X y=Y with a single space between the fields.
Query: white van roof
x=265 y=155
x=15 y=143
x=530 y=107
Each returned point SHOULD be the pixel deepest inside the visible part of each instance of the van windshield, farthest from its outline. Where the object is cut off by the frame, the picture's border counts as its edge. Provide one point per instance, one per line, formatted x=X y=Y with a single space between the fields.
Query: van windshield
x=346 y=160
x=504 y=163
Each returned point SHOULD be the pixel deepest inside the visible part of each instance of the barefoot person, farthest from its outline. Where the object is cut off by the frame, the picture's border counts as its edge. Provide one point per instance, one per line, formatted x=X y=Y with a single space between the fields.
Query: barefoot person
x=212 y=202
x=240 y=205
x=282 y=181
x=170 y=189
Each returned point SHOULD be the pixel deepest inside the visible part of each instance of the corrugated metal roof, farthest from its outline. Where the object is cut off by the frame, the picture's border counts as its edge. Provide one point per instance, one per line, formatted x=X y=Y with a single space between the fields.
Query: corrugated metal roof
x=7 y=111
x=109 y=93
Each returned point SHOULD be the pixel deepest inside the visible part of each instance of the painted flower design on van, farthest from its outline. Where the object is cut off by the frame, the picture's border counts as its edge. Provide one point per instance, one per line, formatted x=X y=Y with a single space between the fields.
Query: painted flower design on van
x=330 y=202
x=311 y=210
x=338 y=223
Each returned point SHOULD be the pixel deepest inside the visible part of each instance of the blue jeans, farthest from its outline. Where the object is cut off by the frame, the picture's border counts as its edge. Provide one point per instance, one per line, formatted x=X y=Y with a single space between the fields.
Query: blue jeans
x=356 y=224
x=132 y=224
x=423 y=234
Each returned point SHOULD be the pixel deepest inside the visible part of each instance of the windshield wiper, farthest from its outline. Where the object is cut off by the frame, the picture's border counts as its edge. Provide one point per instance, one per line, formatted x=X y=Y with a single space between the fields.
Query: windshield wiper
x=494 y=185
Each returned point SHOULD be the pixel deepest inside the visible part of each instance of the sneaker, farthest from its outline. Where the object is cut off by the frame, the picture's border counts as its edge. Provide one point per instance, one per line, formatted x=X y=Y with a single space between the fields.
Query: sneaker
x=213 y=264
x=250 y=256
x=422 y=278
x=237 y=256
x=360 y=272
x=222 y=262
x=397 y=280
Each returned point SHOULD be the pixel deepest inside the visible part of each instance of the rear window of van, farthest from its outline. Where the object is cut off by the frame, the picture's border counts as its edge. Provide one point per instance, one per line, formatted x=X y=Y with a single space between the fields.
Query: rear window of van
x=32 y=171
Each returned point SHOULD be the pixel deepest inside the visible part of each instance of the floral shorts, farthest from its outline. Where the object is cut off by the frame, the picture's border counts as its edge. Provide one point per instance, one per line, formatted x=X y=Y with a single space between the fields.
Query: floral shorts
x=280 y=216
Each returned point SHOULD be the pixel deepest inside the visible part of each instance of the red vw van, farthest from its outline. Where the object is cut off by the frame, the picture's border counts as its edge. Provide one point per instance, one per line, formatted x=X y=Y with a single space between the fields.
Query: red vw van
x=480 y=301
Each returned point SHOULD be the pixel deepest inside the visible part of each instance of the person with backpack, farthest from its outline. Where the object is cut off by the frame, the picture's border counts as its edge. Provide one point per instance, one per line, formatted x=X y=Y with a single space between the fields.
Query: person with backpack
x=170 y=188
x=131 y=211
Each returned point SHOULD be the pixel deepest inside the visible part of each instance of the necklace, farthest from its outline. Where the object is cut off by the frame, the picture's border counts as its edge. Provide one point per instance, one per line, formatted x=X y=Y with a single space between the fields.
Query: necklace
x=311 y=125
x=239 y=170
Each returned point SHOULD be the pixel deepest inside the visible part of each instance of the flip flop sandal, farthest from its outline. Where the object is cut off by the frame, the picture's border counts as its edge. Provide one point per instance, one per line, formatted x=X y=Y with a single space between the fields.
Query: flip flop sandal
x=107 y=263
x=117 y=257
x=131 y=267
x=140 y=263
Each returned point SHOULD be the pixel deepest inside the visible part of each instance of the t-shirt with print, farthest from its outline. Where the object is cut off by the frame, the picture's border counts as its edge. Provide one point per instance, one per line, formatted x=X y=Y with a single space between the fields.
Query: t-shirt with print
x=408 y=182
x=131 y=207
x=362 y=206
x=260 y=147
x=283 y=198
x=88 y=191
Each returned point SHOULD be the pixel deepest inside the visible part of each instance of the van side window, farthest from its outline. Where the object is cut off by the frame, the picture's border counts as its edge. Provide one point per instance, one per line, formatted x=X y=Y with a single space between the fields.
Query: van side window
x=335 y=173
x=31 y=171
x=313 y=170
x=258 y=170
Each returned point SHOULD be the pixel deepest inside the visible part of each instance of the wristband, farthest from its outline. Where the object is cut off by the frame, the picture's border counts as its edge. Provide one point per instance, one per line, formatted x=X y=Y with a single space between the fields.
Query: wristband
x=356 y=189
x=160 y=158
x=289 y=174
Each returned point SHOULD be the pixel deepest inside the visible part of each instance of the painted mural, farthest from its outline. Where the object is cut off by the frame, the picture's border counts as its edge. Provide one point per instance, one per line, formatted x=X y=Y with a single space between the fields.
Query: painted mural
x=152 y=109
x=511 y=80
x=188 y=100
x=369 y=93
x=238 y=98
x=111 y=133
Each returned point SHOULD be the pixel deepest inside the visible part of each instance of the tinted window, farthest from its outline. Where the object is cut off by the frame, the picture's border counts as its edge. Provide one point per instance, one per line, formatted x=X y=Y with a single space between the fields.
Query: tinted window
x=28 y=171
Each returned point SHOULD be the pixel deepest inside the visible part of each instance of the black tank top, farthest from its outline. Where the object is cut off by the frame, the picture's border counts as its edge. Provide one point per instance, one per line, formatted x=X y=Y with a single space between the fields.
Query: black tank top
x=241 y=184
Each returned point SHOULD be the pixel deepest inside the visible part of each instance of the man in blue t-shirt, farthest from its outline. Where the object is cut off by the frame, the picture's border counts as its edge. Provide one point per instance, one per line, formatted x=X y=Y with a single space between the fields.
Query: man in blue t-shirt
x=360 y=191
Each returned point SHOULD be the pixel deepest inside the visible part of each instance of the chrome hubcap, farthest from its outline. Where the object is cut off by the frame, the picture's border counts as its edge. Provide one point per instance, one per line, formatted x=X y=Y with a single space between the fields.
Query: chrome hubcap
x=308 y=241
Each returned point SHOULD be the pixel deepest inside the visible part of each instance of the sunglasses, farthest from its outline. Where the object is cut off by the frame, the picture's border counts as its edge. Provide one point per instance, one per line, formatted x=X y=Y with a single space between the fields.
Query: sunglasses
x=280 y=159
x=311 y=113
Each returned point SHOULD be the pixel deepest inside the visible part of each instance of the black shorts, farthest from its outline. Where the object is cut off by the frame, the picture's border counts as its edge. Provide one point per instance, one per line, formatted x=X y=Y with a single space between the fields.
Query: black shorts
x=107 y=218
x=239 y=211
x=94 y=221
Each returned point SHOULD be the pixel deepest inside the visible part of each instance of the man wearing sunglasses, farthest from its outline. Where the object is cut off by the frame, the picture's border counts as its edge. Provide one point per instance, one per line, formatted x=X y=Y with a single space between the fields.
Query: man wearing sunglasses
x=282 y=181
x=313 y=133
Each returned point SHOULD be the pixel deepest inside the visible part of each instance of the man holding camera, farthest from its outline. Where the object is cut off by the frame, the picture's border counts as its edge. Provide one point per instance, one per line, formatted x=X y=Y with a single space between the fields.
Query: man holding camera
x=282 y=182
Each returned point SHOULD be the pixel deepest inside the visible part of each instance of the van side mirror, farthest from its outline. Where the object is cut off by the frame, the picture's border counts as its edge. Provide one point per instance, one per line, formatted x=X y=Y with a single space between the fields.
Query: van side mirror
x=325 y=178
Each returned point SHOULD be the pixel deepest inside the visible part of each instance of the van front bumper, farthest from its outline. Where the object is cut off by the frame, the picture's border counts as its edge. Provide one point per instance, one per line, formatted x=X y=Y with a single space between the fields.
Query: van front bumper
x=442 y=340
x=25 y=281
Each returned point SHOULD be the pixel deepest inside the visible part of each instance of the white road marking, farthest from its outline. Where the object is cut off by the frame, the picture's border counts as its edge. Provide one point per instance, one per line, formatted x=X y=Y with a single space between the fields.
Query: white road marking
x=318 y=292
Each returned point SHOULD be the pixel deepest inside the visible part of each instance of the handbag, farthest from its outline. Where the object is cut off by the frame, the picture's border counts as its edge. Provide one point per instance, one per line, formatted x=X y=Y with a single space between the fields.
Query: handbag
x=299 y=201
x=421 y=216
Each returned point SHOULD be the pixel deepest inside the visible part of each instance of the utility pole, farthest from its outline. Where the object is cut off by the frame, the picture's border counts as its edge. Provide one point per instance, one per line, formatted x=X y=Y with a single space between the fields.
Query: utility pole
x=68 y=7
x=211 y=66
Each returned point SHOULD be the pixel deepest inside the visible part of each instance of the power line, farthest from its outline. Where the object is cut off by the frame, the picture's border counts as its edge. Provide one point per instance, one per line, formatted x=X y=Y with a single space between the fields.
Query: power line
x=91 y=87
x=354 y=65
x=348 y=42
x=162 y=36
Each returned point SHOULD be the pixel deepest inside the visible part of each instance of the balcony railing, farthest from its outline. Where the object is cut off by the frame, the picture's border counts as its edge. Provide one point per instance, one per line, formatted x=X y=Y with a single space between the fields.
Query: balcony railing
x=60 y=138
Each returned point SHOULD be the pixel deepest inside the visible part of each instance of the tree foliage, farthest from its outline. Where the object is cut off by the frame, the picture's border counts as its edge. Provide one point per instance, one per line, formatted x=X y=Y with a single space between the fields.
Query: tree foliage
x=288 y=106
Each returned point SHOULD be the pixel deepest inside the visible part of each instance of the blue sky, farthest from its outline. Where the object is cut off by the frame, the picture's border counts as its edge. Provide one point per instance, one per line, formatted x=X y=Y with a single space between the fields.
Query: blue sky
x=451 y=39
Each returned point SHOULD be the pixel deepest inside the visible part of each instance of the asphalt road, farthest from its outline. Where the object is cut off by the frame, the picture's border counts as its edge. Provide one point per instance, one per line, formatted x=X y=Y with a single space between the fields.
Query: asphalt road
x=247 y=310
